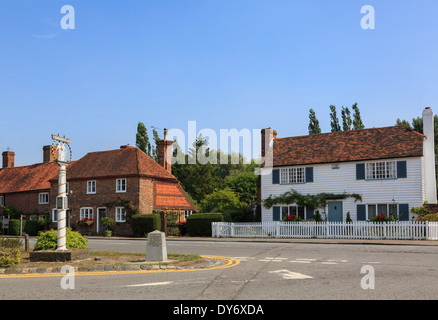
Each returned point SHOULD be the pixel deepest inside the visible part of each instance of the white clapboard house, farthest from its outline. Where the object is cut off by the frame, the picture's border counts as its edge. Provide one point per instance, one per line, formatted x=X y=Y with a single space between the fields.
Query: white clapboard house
x=391 y=168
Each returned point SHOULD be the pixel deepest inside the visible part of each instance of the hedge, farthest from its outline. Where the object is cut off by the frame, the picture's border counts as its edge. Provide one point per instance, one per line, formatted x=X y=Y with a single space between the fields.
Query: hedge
x=14 y=227
x=199 y=224
x=32 y=227
x=142 y=224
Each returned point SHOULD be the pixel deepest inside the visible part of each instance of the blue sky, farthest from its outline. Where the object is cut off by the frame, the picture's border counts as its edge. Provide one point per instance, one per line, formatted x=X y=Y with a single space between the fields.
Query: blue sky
x=224 y=64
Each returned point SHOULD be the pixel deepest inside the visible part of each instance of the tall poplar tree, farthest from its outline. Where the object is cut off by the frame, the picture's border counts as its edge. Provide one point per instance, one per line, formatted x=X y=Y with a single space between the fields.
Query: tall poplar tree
x=142 y=139
x=346 y=119
x=313 y=123
x=334 y=121
x=357 y=120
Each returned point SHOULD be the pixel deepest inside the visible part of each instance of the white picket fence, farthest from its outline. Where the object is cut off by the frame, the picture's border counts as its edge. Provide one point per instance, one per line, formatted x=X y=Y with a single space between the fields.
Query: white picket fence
x=396 y=230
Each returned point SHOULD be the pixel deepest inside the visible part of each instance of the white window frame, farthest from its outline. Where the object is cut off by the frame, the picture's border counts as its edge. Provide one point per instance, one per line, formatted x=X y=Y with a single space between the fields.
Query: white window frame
x=86 y=212
x=287 y=211
x=120 y=214
x=292 y=175
x=2 y=201
x=388 y=209
x=119 y=184
x=54 y=215
x=43 y=198
x=381 y=170
x=91 y=187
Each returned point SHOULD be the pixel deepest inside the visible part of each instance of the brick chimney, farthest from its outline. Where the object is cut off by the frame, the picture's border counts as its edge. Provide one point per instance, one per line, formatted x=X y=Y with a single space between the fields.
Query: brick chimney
x=49 y=156
x=429 y=156
x=164 y=150
x=8 y=159
x=268 y=136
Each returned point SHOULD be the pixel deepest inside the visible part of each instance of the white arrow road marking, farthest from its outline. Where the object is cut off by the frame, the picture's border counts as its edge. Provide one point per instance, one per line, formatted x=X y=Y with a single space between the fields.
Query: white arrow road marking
x=289 y=275
x=150 y=284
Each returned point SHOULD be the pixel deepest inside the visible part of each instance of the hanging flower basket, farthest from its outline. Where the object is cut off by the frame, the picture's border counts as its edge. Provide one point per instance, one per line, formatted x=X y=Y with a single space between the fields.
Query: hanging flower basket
x=86 y=222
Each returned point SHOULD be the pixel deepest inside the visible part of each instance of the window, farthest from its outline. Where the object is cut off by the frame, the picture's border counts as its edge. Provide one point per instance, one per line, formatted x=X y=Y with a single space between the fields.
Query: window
x=2 y=201
x=120 y=214
x=121 y=185
x=386 y=210
x=381 y=170
x=86 y=213
x=54 y=215
x=292 y=175
x=292 y=210
x=43 y=198
x=91 y=187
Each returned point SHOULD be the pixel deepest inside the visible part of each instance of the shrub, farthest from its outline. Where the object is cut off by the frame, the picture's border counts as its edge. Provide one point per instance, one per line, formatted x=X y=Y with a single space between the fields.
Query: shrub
x=199 y=224
x=9 y=252
x=142 y=224
x=108 y=223
x=433 y=217
x=48 y=240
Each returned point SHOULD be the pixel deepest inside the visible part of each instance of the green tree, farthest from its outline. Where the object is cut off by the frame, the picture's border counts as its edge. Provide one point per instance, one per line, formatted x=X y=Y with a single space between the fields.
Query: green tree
x=154 y=152
x=244 y=184
x=334 y=121
x=346 y=119
x=220 y=200
x=142 y=139
x=313 y=123
x=357 y=120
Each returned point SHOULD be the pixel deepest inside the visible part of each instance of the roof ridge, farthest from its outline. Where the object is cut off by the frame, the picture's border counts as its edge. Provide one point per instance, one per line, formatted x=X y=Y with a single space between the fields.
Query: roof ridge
x=351 y=131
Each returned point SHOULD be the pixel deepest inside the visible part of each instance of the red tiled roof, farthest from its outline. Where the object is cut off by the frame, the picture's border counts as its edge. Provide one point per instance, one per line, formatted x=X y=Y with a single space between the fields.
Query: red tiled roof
x=123 y=162
x=354 y=145
x=171 y=196
x=27 y=178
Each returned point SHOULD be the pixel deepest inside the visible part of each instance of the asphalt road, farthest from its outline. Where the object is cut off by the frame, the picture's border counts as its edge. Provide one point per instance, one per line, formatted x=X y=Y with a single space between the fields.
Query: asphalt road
x=267 y=271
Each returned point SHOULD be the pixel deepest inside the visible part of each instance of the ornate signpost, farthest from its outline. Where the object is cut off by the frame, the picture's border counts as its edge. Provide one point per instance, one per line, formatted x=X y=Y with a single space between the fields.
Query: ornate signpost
x=61 y=146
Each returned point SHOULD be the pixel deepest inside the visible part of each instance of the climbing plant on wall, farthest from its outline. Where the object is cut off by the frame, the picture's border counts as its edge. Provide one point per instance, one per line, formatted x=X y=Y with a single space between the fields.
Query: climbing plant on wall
x=311 y=201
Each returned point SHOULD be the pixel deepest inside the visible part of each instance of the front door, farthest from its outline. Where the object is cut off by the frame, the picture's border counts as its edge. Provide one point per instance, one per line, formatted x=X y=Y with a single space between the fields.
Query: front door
x=101 y=213
x=335 y=211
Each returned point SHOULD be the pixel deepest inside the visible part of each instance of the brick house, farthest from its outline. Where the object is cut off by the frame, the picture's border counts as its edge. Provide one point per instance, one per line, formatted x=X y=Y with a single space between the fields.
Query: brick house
x=27 y=188
x=107 y=183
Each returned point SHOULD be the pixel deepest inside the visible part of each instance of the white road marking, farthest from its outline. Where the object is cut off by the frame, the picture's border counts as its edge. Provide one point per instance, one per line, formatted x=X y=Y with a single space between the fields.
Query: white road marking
x=306 y=259
x=150 y=284
x=289 y=275
x=300 y=261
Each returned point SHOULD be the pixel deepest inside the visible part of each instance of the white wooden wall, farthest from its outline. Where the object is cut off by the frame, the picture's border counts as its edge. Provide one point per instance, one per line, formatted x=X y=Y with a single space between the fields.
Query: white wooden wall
x=343 y=180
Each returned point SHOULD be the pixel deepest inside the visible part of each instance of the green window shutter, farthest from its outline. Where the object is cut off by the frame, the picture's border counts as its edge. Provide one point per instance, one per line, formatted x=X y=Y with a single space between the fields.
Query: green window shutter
x=309 y=174
x=360 y=171
x=276 y=213
x=276 y=176
x=309 y=213
x=401 y=169
x=403 y=210
x=361 y=212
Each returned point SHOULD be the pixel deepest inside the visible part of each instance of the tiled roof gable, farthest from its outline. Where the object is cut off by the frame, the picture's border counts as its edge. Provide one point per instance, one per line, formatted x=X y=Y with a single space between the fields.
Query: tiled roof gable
x=126 y=161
